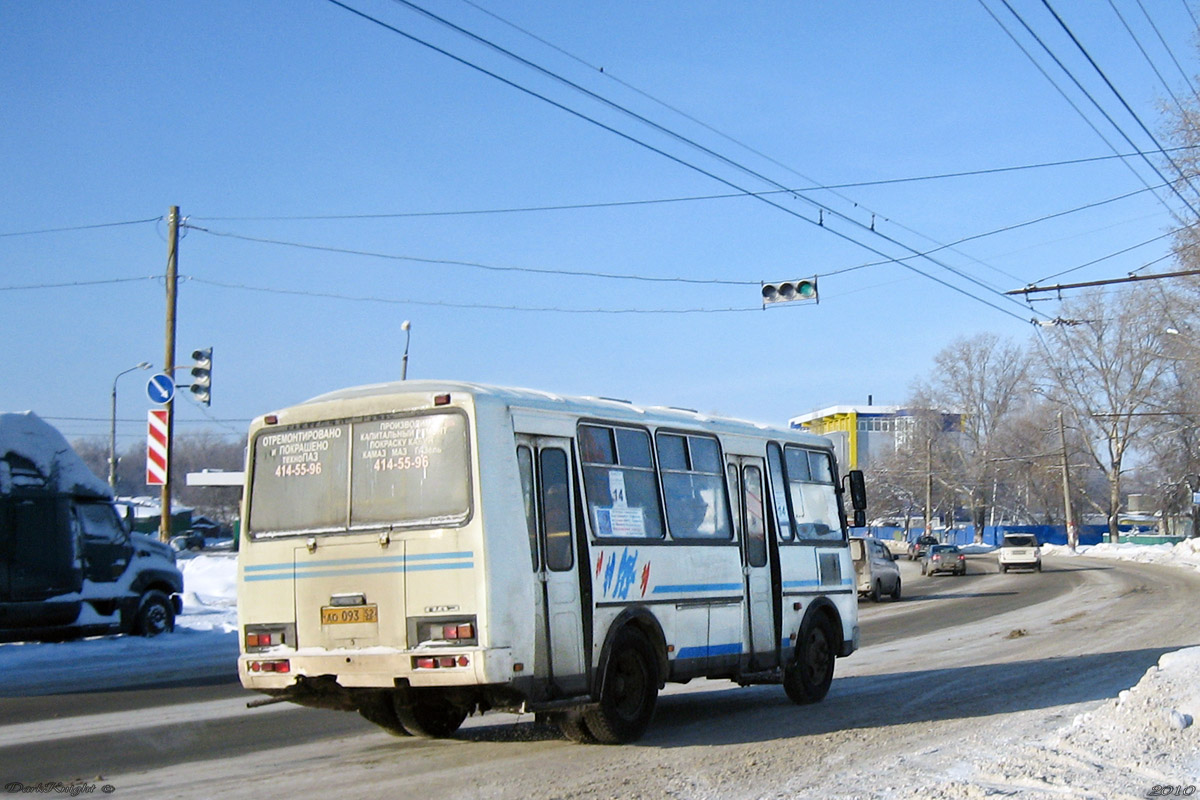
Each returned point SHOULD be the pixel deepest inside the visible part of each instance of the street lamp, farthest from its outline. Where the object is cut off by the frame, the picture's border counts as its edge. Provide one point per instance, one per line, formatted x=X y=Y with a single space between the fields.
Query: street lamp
x=405 y=326
x=112 y=431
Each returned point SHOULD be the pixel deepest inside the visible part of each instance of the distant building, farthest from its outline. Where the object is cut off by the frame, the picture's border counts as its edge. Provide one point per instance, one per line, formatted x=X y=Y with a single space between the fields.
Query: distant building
x=864 y=434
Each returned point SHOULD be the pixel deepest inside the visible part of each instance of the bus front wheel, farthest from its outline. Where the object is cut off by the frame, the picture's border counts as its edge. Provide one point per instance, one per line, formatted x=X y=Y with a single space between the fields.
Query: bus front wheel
x=429 y=715
x=628 y=693
x=807 y=678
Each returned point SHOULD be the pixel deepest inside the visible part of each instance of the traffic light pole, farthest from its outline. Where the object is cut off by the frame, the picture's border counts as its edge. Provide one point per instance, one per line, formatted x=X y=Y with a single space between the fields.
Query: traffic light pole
x=164 y=529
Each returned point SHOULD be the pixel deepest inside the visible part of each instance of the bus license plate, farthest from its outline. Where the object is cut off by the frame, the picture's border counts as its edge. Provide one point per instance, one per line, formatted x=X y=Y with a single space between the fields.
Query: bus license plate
x=348 y=615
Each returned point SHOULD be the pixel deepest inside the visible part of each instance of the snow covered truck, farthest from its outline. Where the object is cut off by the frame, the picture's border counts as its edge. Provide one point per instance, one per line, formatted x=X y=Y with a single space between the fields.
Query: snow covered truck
x=68 y=562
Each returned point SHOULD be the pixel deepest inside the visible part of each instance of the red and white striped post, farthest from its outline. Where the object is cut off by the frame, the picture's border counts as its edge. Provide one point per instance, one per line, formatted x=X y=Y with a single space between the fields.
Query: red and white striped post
x=157 y=448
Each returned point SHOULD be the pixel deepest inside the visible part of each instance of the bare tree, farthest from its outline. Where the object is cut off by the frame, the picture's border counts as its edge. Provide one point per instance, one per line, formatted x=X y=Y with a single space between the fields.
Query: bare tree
x=1106 y=368
x=985 y=380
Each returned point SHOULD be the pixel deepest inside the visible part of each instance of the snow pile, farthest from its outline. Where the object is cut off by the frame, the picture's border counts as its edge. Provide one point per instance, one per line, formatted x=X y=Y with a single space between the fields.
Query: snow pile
x=1142 y=741
x=209 y=593
x=1183 y=554
x=40 y=442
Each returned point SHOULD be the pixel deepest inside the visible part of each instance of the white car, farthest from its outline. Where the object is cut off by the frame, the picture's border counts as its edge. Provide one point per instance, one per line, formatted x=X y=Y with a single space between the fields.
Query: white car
x=1019 y=551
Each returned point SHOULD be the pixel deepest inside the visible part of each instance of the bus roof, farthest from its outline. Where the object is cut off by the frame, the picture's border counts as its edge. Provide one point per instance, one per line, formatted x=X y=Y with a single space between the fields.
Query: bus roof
x=533 y=399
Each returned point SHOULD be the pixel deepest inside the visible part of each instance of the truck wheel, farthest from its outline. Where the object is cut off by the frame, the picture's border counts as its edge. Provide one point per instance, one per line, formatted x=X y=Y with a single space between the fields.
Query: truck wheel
x=430 y=716
x=155 y=614
x=807 y=678
x=629 y=691
x=380 y=709
x=573 y=726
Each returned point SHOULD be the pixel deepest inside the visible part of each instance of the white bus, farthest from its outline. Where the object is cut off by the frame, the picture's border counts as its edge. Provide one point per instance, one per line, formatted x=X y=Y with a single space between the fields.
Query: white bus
x=420 y=551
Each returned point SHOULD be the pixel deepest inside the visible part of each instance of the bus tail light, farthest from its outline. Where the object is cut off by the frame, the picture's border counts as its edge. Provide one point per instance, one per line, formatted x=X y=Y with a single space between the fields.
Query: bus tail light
x=460 y=631
x=464 y=631
x=280 y=665
x=440 y=662
x=257 y=638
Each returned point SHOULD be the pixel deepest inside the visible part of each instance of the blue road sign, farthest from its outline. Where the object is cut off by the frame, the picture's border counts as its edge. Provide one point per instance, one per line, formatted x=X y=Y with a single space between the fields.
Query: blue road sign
x=160 y=388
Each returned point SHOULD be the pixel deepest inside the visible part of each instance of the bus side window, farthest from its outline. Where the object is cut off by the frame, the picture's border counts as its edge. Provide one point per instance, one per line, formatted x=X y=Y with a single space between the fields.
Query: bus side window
x=525 y=464
x=620 y=483
x=556 y=509
x=783 y=516
x=693 y=486
x=756 y=525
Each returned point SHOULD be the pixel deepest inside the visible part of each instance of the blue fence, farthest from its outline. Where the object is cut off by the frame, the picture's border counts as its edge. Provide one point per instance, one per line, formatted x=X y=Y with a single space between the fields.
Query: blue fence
x=994 y=534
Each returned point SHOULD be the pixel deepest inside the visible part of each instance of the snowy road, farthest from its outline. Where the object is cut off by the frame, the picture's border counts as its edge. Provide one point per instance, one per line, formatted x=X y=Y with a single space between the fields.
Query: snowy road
x=959 y=667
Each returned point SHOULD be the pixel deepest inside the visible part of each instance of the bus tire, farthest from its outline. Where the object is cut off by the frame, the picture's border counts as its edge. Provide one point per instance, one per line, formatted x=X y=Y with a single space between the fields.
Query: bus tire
x=155 y=614
x=574 y=727
x=430 y=716
x=380 y=709
x=629 y=691
x=808 y=677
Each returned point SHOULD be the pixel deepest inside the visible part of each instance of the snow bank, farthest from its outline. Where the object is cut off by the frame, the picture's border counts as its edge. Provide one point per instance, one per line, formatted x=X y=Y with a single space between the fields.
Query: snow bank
x=40 y=442
x=1185 y=554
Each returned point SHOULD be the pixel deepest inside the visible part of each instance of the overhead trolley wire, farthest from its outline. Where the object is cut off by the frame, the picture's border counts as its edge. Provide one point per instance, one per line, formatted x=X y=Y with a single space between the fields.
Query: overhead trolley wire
x=1136 y=117
x=1028 y=55
x=694 y=167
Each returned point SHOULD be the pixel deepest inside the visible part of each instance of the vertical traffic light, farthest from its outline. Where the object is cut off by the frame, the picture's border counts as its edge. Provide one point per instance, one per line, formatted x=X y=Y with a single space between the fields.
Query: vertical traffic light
x=202 y=375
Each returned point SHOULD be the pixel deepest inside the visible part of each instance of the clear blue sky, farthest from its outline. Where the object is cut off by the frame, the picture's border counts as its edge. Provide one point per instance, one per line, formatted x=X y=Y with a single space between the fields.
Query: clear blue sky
x=237 y=111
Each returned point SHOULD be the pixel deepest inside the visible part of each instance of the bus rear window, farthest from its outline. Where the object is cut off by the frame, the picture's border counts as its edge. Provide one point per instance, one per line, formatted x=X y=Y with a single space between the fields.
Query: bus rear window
x=406 y=471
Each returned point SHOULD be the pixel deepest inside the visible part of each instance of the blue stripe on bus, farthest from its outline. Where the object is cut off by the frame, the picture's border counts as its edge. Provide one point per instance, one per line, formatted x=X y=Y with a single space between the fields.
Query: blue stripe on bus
x=698 y=587
x=704 y=651
x=328 y=573
x=337 y=562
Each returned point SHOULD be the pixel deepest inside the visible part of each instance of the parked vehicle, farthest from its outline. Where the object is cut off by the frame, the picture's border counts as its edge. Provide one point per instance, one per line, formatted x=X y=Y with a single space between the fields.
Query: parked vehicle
x=944 y=558
x=875 y=569
x=68 y=563
x=1019 y=551
x=918 y=547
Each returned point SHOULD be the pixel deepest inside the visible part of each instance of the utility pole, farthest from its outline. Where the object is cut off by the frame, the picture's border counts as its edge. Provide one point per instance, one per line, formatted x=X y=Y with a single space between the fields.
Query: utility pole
x=929 y=487
x=164 y=529
x=1072 y=528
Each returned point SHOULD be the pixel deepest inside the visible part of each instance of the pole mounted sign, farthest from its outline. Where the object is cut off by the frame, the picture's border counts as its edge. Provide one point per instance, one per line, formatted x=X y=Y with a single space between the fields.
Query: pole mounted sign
x=156 y=448
x=160 y=389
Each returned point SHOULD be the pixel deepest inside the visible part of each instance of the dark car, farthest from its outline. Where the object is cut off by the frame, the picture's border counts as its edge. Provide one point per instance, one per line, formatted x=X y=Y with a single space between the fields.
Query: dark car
x=944 y=558
x=918 y=548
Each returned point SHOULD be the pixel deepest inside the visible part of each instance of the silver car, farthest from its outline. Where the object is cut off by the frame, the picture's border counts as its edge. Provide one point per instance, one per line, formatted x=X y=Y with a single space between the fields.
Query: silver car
x=875 y=570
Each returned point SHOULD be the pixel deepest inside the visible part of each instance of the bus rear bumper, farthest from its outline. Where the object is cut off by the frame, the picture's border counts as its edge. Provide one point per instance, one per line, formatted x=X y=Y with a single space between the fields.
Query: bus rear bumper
x=279 y=668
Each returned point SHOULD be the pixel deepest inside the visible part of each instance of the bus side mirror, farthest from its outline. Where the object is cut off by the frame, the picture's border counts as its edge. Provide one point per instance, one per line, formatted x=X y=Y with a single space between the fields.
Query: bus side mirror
x=858 y=496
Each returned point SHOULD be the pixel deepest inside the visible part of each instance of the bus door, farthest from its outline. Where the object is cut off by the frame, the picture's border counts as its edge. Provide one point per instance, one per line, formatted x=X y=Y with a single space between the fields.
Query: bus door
x=746 y=495
x=546 y=479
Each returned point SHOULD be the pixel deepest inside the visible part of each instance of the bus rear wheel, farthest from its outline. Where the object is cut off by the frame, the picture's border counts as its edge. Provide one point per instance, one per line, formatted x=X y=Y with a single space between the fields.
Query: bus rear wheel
x=430 y=715
x=574 y=727
x=380 y=709
x=628 y=692
x=808 y=677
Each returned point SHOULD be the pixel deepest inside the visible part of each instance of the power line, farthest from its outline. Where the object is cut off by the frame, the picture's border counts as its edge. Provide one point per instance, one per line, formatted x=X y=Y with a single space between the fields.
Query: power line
x=27 y=286
x=689 y=198
x=476 y=264
x=701 y=170
x=81 y=227
x=482 y=306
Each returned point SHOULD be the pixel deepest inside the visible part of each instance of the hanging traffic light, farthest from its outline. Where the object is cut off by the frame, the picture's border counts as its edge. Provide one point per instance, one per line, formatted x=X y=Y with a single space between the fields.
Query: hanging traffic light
x=788 y=291
x=202 y=375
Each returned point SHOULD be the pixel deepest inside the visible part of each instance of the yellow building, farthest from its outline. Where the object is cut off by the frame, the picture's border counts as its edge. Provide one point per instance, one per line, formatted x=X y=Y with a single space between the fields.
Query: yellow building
x=860 y=433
